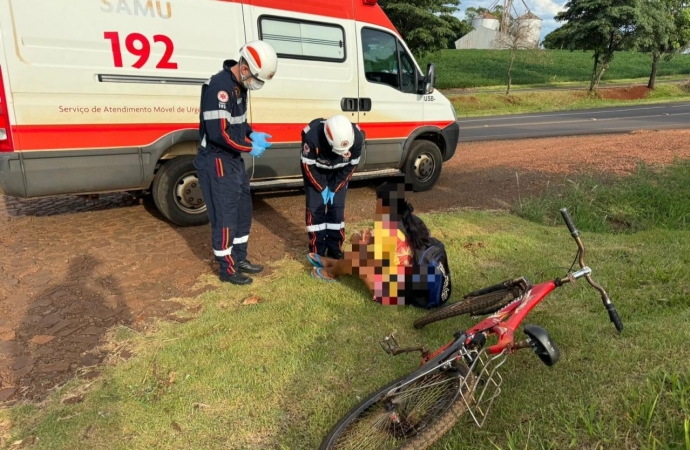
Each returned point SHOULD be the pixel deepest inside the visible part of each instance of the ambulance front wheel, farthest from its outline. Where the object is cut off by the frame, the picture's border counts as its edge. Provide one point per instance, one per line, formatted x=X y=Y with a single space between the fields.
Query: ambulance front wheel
x=423 y=165
x=177 y=193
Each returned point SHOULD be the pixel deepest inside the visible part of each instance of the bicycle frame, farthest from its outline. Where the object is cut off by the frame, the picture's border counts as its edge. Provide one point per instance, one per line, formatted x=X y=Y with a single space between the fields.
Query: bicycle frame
x=505 y=322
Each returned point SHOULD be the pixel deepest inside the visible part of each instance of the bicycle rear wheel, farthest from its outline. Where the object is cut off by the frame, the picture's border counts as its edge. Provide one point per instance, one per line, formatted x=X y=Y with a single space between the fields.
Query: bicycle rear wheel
x=411 y=418
x=473 y=305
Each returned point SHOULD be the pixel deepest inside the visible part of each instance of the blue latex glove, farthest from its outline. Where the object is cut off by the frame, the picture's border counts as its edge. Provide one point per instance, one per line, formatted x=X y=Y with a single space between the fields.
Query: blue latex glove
x=325 y=194
x=257 y=150
x=260 y=138
x=331 y=196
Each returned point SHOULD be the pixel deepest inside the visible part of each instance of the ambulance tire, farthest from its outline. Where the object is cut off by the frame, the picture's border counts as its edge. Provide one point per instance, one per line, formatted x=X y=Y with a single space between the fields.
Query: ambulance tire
x=175 y=178
x=423 y=165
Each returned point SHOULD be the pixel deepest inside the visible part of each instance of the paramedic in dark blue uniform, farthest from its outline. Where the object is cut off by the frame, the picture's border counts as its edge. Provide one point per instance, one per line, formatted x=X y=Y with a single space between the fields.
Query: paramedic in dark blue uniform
x=330 y=153
x=225 y=135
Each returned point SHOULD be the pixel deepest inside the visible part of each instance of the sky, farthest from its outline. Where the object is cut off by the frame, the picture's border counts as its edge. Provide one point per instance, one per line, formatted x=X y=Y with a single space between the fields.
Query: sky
x=545 y=9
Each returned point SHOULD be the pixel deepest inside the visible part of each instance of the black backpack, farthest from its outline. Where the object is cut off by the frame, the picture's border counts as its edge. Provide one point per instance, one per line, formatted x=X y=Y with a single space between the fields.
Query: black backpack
x=430 y=281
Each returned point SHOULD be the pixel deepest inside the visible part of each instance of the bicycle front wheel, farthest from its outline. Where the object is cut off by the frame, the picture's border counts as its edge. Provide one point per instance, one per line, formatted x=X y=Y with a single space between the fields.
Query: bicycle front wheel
x=474 y=306
x=411 y=417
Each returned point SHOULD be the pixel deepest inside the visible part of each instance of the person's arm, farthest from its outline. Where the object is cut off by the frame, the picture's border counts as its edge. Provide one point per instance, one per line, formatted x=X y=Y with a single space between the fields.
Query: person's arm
x=345 y=173
x=316 y=179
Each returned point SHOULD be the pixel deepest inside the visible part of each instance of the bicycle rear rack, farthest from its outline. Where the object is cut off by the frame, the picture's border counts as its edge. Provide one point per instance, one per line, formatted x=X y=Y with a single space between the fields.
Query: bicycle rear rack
x=485 y=385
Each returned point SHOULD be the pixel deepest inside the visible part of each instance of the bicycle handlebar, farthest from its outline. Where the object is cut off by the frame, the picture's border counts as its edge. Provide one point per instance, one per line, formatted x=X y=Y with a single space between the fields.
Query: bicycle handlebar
x=575 y=233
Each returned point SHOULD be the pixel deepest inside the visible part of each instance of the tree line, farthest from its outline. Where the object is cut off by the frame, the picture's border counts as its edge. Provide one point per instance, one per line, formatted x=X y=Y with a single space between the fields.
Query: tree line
x=604 y=27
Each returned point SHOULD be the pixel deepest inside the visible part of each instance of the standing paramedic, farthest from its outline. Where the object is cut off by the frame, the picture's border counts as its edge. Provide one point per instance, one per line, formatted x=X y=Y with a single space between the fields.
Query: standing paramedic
x=225 y=135
x=330 y=153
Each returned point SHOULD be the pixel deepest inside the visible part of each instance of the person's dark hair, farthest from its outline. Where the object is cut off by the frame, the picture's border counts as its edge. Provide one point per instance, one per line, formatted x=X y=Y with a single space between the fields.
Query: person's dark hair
x=392 y=196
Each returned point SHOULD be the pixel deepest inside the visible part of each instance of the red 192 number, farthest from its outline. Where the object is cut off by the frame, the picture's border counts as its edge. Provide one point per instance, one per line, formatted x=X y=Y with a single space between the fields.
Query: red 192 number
x=138 y=45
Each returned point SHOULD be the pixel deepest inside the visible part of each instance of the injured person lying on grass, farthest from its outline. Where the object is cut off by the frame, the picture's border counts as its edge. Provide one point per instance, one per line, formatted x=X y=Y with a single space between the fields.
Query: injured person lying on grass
x=384 y=259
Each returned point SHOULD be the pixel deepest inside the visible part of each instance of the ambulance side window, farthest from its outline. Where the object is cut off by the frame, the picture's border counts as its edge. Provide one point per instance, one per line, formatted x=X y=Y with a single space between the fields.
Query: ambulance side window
x=387 y=62
x=303 y=39
x=380 y=57
x=407 y=71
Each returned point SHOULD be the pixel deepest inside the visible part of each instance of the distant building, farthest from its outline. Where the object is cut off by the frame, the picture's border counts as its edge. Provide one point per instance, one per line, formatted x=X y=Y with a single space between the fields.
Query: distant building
x=486 y=32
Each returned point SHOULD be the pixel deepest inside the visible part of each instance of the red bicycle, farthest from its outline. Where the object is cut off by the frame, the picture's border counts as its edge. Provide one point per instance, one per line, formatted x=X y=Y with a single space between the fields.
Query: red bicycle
x=415 y=410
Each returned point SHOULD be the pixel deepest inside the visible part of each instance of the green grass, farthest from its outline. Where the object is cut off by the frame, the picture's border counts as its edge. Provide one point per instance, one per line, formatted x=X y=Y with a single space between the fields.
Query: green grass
x=478 y=68
x=483 y=104
x=649 y=198
x=279 y=374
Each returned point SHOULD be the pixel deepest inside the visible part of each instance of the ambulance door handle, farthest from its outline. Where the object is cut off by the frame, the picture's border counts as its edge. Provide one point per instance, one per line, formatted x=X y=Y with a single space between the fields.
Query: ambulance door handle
x=365 y=104
x=348 y=104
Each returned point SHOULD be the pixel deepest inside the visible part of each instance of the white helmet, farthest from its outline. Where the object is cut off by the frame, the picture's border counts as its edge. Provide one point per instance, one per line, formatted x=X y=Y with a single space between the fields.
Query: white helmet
x=339 y=133
x=262 y=61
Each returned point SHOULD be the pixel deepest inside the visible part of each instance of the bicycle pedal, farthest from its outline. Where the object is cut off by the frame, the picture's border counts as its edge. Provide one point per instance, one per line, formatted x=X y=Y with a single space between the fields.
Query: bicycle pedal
x=389 y=343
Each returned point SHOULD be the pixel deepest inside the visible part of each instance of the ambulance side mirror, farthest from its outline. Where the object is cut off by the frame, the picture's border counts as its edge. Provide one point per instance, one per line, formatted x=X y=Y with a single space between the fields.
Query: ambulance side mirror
x=430 y=79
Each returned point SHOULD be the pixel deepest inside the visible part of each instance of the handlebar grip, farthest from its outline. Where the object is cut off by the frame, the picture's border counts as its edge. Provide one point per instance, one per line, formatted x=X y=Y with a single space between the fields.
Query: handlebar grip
x=574 y=232
x=615 y=318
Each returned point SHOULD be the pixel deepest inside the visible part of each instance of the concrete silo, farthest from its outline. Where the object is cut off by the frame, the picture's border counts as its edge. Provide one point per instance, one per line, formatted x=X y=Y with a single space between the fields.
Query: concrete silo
x=529 y=25
x=486 y=20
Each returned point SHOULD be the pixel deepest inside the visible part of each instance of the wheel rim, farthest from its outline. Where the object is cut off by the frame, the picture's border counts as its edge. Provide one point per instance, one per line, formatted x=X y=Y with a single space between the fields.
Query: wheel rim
x=391 y=421
x=188 y=195
x=424 y=167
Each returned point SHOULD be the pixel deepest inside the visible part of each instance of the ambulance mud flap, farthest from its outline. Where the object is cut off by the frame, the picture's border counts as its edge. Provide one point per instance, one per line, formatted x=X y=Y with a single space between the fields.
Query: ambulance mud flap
x=12 y=181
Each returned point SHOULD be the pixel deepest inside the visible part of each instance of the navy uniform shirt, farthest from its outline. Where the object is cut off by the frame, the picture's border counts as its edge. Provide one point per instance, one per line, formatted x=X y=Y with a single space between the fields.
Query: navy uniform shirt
x=223 y=115
x=321 y=166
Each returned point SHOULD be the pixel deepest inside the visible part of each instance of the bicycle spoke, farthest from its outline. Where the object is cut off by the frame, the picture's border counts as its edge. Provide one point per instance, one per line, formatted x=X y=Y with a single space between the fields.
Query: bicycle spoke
x=394 y=419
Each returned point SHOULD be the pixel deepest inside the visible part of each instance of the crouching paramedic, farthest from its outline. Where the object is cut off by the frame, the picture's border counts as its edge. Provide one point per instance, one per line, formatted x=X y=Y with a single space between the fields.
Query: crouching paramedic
x=330 y=153
x=225 y=136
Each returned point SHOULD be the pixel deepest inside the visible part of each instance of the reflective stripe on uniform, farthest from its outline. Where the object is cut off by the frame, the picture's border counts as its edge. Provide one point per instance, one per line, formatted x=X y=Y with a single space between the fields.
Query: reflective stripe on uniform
x=335 y=226
x=312 y=162
x=222 y=114
x=240 y=240
x=315 y=228
x=221 y=253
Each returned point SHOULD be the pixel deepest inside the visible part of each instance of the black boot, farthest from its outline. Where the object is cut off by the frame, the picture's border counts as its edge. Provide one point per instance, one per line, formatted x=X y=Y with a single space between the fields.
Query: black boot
x=247 y=267
x=236 y=278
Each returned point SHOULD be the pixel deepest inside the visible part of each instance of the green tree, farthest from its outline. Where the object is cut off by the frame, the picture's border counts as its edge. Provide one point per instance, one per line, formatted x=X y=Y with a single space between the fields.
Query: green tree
x=663 y=29
x=602 y=26
x=556 y=40
x=426 y=25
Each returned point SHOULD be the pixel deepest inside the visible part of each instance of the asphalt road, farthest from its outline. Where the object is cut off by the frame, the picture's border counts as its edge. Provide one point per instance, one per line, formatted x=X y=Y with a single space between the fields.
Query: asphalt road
x=591 y=121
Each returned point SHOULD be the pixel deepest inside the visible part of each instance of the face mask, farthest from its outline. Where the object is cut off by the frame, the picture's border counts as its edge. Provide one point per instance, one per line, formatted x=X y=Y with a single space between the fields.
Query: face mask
x=253 y=84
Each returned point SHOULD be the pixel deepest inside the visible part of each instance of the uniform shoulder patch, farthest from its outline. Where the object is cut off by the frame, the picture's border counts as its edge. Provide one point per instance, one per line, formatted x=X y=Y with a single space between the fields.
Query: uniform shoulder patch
x=223 y=96
x=306 y=149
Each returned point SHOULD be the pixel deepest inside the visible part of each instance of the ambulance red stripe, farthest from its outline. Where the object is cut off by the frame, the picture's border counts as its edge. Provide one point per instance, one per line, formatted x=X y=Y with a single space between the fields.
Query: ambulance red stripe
x=84 y=136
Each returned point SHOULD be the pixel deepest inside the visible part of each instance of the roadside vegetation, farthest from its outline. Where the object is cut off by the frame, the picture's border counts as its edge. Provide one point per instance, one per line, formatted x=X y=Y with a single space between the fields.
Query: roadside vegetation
x=276 y=364
x=650 y=198
x=487 y=68
x=488 y=104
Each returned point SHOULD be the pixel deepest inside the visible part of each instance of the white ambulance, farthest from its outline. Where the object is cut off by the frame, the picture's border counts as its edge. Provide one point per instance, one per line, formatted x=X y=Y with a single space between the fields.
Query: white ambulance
x=103 y=95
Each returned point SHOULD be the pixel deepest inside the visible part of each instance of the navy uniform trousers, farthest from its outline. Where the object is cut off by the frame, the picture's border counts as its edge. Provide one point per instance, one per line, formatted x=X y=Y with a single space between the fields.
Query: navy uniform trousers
x=325 y=223
x=225 y=187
